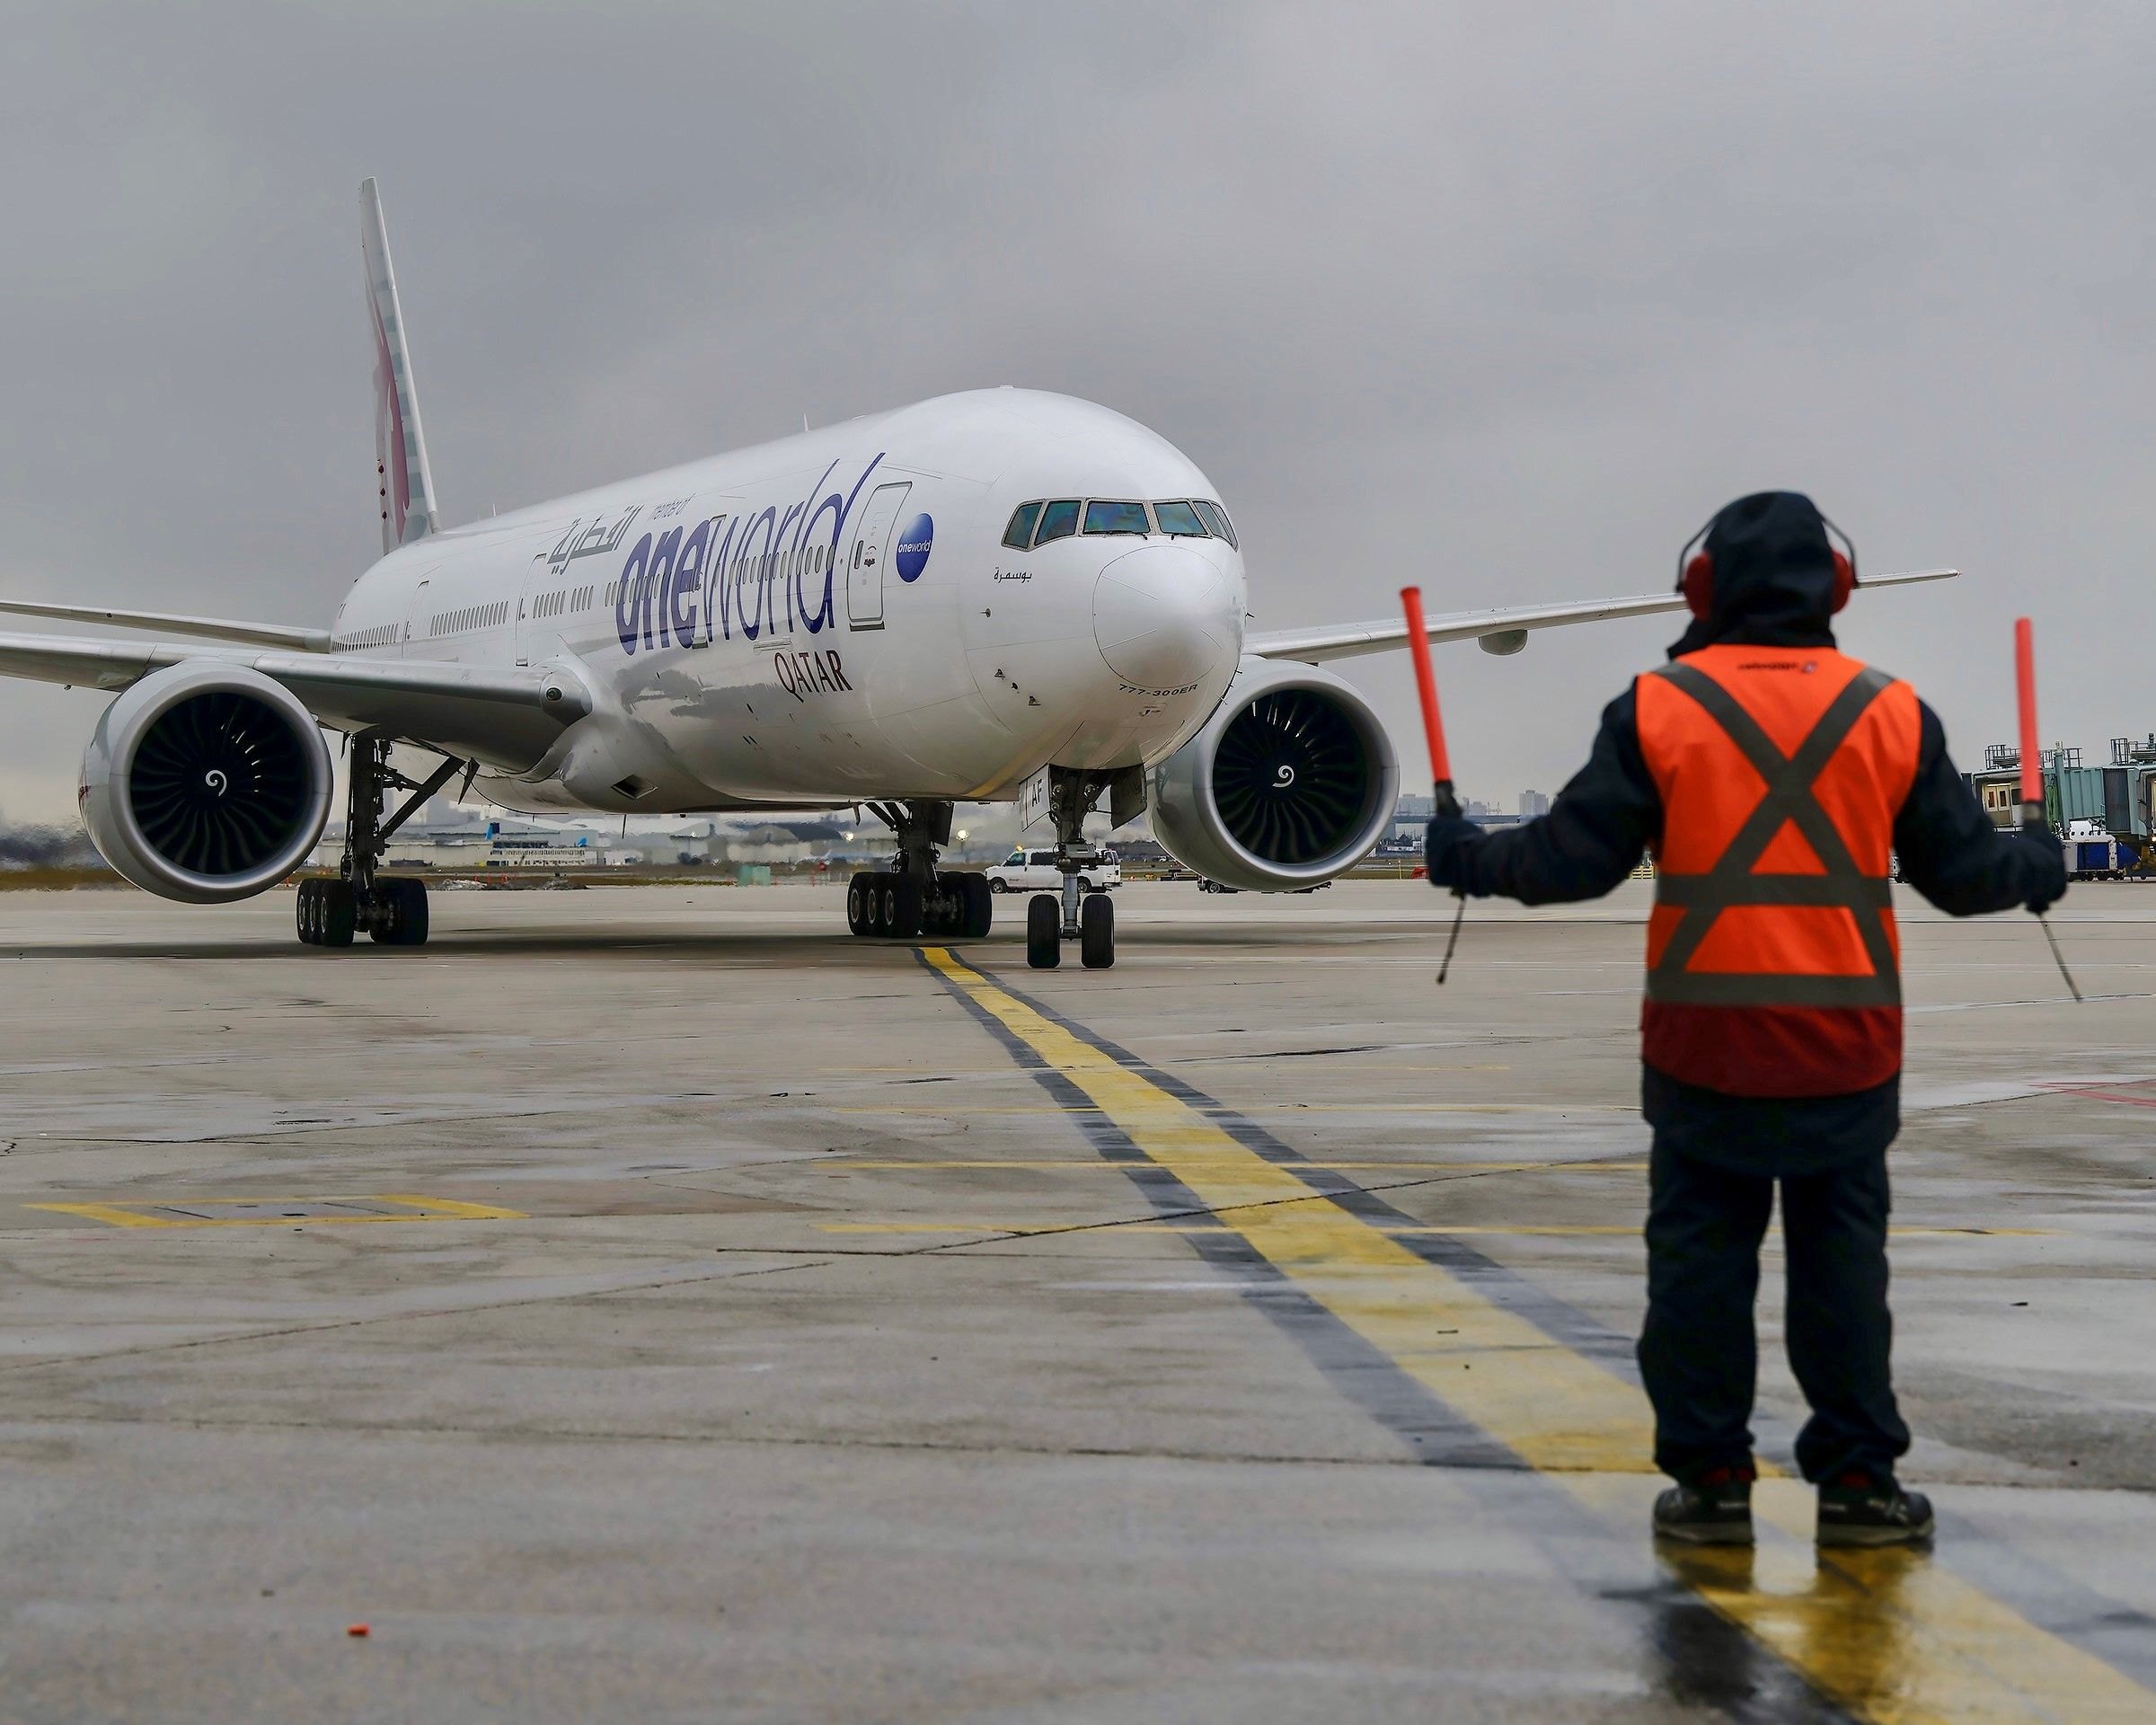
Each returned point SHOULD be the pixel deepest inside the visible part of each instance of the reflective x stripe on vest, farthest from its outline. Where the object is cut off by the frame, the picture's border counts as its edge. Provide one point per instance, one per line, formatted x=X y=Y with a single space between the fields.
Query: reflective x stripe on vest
x=1731 y=883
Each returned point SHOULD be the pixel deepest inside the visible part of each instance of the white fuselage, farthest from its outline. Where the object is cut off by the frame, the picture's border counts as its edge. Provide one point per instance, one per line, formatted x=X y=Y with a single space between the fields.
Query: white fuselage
x=835 y=617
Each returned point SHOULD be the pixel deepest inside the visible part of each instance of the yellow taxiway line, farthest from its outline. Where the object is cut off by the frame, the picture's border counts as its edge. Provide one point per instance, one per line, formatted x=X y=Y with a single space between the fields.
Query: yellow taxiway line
x=173 y=1212
x=1892 y=1636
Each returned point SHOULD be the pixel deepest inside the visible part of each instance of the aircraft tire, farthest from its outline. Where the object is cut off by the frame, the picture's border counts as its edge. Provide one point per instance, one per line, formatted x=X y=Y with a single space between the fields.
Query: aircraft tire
x=980 y=907
x=393 y=922
x=1097 y=932
x=303 y=912
x=337 y=917
x=1044 y=931
x=857 y=904
x=411 y=912
x=906 y=908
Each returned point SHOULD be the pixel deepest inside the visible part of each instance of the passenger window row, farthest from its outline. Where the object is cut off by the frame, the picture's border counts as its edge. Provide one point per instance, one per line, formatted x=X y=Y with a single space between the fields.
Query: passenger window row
x=472 y=616
x=383 y=634
x=567 y=598
x=1036 y=524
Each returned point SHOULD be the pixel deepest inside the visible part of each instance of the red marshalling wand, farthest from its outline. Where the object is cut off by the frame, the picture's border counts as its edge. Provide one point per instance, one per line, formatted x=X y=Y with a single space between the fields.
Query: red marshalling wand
x=1444 y=803
x=2032 y=822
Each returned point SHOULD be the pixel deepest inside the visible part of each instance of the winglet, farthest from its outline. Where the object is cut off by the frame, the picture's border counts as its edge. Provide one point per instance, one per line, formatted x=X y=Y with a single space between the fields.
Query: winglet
x=404 y=484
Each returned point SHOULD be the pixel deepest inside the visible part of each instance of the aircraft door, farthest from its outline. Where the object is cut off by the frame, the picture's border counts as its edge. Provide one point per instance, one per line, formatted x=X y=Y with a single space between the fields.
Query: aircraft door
x=867 y=556
x=415 y=618
x=769 y=596
x=529 y=628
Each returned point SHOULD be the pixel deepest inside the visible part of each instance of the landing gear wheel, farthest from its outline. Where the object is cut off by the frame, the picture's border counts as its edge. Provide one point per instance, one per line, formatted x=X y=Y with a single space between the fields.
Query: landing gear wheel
x=1044 y=931
x=857 y=904
x=980 y=906
x=401 y=913
x=337 y=915
x=906 y=908
x=308 y=913
x=415 y=915
x=1097 y=932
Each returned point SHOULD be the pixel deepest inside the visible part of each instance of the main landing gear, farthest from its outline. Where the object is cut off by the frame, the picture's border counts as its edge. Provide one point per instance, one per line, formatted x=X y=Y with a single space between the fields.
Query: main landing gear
x=393 y=909
x=914 y=898
x=1075 y=913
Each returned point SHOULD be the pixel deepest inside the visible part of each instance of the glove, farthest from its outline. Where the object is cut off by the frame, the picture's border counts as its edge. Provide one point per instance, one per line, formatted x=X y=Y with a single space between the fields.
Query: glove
x=2048 y=866
x=1445 y=847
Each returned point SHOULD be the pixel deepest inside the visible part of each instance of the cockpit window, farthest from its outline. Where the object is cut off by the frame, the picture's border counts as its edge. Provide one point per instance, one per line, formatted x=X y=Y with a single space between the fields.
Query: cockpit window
x=1180 y=519
x=1019 y=534
x=1116 y=517
x=1058 y=520
x=1216 y=518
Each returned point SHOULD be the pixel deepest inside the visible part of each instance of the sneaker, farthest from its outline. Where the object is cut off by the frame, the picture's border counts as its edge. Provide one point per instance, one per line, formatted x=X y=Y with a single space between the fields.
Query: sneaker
x=1713 y=1509
x=1858 y=1510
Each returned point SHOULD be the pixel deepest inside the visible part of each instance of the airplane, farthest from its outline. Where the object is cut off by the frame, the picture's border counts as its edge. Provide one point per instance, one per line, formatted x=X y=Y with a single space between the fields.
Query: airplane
x=1001 y=595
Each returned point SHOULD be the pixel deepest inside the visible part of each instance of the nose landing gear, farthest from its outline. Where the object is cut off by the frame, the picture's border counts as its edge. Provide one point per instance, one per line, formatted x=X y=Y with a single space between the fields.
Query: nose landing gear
x=1077 y=914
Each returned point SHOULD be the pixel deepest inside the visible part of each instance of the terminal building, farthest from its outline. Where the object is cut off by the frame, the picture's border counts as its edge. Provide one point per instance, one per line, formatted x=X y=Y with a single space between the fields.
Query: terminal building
x=2105 y=814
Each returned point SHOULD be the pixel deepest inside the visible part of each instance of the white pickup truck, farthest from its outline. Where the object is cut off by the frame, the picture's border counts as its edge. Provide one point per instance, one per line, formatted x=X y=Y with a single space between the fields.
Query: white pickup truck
x=1036 y=871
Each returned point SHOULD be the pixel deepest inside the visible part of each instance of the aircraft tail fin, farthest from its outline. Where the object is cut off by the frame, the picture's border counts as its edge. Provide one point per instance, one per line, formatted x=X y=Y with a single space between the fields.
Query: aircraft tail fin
x=404 y=482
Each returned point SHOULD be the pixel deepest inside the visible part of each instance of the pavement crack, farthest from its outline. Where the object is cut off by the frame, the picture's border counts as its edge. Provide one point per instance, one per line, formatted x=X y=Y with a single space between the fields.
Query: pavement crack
x=1215 y=1212
x=273 y=1334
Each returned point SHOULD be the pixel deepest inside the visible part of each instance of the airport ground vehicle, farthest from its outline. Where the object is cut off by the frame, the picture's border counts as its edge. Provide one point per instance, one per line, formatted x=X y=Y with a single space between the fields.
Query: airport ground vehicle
x=1036 y=870
x=2104 y=856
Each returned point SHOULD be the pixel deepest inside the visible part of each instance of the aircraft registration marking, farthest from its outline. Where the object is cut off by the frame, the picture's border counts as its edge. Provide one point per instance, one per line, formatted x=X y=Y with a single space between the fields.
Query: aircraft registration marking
x=1892 y=1636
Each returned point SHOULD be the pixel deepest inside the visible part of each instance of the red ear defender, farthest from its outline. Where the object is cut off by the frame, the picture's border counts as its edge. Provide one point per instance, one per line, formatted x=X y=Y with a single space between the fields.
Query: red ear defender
x=1845 y=578
x=1698 y=586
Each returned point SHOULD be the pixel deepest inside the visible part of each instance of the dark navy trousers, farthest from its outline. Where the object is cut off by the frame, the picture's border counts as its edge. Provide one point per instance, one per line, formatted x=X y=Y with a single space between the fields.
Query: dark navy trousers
x=1698 y=1352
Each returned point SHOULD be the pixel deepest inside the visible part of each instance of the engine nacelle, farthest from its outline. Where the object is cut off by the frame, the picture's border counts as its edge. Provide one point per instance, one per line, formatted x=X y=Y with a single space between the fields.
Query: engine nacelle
x=1291 y=782
x=205 y=783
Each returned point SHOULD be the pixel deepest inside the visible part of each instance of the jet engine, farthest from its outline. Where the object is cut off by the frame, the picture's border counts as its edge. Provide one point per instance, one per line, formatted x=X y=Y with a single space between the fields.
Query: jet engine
x=205 y=783
x=1291 y=782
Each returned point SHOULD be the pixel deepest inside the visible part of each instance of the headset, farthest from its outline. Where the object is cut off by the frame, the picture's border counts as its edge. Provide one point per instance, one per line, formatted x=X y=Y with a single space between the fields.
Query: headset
x=1695 y=571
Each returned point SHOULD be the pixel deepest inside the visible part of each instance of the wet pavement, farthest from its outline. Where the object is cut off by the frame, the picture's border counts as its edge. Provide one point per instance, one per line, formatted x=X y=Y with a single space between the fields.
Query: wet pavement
x=645 y=1301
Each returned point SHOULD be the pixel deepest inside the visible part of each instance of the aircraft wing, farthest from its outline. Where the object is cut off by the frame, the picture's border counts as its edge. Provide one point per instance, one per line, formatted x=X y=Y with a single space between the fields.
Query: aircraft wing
x=1503 y=630
x=505 y=718
x=258 y=634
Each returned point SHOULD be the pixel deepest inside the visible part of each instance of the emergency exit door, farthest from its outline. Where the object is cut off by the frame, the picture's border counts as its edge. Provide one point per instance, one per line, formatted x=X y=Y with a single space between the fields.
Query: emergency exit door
x=869 y=552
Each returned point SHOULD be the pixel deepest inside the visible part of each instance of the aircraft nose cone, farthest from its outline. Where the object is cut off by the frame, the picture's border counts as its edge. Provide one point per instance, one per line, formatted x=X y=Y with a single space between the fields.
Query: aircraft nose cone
x=1163 y=618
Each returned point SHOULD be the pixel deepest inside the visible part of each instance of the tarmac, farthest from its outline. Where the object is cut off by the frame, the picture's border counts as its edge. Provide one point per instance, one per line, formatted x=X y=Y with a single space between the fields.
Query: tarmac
x=649 y=1303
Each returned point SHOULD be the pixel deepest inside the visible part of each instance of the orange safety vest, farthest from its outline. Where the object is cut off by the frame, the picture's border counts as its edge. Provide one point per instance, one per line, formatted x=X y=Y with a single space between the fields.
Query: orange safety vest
x=1773 y=961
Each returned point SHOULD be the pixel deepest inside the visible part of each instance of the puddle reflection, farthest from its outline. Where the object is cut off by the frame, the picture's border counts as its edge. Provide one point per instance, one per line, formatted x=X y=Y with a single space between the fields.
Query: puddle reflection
x=1841 y=1617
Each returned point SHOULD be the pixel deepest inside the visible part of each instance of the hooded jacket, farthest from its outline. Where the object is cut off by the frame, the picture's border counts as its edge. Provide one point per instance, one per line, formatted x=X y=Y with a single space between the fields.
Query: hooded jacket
x=1773 y=585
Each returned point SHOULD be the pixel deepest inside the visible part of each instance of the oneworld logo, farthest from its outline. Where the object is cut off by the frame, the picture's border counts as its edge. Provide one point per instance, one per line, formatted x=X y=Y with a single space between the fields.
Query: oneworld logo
x=913 y=546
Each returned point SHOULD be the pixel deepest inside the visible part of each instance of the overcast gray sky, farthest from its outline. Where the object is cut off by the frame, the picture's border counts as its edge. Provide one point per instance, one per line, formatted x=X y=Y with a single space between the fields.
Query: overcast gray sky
x=1503 y=299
